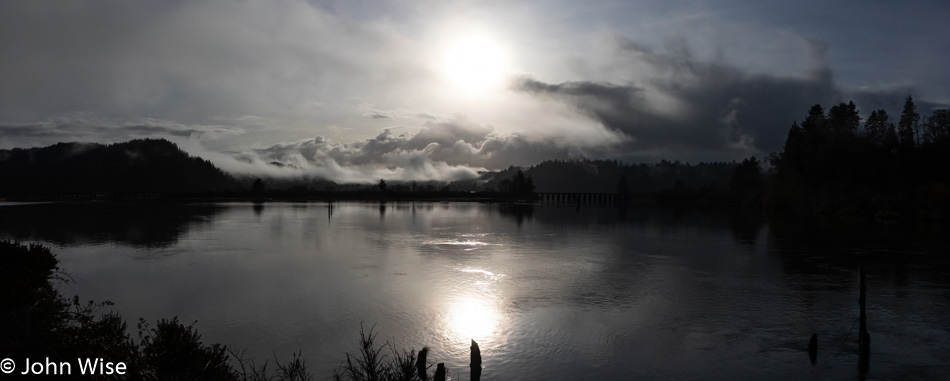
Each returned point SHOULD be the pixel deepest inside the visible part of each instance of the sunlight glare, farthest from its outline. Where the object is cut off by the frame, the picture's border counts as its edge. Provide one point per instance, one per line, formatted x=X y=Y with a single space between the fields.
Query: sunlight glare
x=474 y=65
x=471 y=318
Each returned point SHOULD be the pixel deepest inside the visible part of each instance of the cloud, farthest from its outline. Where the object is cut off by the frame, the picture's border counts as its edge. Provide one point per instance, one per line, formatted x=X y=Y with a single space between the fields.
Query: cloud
x=193 y=61
x=445 y=150
x=694 y=108
x=81 y=127
x=229 y=79
x=454 y=148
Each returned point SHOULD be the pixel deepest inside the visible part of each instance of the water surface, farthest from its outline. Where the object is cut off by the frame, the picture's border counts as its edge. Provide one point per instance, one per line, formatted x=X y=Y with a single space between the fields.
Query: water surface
x=548 y=291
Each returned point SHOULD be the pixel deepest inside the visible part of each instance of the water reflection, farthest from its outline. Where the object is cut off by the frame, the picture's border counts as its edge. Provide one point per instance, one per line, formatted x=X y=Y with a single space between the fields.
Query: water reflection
x=829 y=248
x=473 y=312
x=745 y=226
x=138 y=224
x=488 y=274
x=520 y=212
x=468 y=245
x=471 y=317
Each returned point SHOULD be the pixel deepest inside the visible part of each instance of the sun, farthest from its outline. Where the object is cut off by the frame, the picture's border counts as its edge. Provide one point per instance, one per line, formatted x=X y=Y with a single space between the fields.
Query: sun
x=474 y=65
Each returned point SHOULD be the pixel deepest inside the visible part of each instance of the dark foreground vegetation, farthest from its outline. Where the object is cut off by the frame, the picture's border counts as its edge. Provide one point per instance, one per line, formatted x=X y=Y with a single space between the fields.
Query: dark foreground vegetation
x=38 y=322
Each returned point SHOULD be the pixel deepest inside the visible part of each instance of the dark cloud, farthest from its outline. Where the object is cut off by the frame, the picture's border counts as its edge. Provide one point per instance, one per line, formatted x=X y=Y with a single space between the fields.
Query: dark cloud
x=891 y=99
x=29 y=131
x=696 y=109
x=82 y=128
x=373 y=112
x=161 y=130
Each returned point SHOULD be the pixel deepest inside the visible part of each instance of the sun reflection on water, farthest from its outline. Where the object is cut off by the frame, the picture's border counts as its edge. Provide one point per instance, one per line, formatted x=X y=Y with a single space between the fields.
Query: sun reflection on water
x=472 y=318
x=490 y=275
x=474 y=313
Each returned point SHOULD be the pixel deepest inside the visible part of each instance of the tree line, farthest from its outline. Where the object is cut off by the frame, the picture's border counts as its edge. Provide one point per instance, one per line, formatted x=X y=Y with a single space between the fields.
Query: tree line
x=830 y=164
x=604 y=176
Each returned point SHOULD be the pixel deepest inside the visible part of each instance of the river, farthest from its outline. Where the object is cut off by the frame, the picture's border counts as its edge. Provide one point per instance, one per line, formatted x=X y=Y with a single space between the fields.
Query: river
x=548 y=291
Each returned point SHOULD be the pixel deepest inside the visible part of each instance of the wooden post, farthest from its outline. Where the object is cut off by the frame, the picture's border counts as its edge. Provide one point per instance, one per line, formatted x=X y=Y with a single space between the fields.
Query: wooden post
x=864 y=340
x=421 y=364
x=813 y=348
x=440 y=372
x=476 y=362
x=862 y=300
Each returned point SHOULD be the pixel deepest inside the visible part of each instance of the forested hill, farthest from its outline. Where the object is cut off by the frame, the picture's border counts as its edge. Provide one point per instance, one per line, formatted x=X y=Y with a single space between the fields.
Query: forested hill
x=137 y=166
x=605 y=176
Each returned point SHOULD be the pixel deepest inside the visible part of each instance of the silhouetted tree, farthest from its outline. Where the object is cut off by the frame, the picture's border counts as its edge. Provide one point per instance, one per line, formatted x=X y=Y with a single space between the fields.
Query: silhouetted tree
x=794 y=153
x=891 y=142
x=521 y=185
x=622 y=187
x=381 y=185
x=876 y=126
x=908 y=124
x=938 y=126
x=747 y=183
x=504 y=186
x=257 y=186
x=814 y=124
x=844 y=120
x=518 y=182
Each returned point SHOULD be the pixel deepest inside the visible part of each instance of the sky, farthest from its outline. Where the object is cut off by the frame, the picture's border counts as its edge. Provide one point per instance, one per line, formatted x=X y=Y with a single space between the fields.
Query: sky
x=355 y=91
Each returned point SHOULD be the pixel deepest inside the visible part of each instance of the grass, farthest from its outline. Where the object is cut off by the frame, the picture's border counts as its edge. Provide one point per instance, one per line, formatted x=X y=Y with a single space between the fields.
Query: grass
x=370 y=363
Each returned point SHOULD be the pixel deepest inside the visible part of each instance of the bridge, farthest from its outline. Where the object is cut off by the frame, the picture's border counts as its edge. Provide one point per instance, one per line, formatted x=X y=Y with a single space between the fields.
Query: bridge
x=582 y=198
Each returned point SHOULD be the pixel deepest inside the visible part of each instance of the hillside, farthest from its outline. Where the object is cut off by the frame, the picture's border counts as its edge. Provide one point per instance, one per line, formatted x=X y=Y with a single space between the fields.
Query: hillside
x=137 y=166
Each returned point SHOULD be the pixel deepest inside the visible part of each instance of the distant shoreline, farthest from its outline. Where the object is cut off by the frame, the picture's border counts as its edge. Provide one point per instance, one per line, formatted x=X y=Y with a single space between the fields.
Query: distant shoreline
x=307 y=197
x=18 y=203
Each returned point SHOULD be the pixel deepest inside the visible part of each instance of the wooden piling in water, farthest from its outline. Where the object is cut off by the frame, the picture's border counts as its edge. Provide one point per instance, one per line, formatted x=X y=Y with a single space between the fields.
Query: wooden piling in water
x=864 y=338
x=421 y=364
x=439 y=372
x=813 y=348
x=476 y=362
